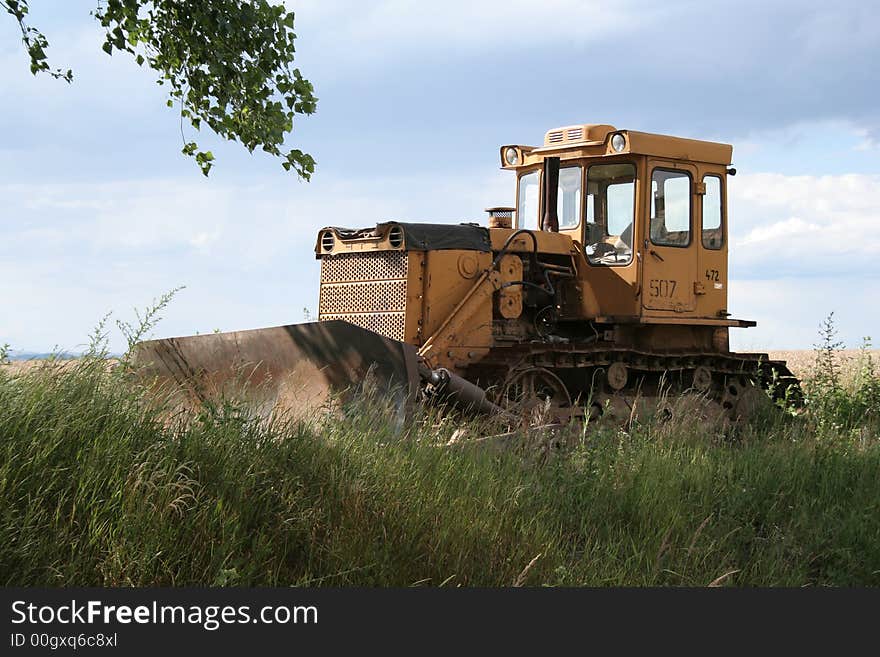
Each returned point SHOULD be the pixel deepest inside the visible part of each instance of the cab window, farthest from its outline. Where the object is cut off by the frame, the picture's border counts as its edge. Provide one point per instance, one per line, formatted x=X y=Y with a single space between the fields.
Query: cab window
x=568 y=203
x=713 y=237
x=670 y=208
x=528 y=200
x=610 y=205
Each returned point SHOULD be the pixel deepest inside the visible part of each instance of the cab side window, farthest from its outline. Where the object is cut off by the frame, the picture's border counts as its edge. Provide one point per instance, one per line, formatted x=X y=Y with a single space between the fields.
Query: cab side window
x=568 y=207
x=713 y=235
x=529 y=200
x=670 y=208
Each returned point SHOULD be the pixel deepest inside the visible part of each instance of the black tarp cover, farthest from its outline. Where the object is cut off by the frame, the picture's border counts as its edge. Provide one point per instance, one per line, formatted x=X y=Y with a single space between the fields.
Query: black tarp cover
x=440 y=237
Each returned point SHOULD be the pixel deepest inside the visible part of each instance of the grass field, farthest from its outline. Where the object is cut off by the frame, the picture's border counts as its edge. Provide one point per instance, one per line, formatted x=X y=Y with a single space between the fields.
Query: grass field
x=98 y=487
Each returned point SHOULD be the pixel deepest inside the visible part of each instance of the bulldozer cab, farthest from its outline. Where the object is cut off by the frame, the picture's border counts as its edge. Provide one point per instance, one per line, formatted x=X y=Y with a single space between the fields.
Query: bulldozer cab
x=646 y=212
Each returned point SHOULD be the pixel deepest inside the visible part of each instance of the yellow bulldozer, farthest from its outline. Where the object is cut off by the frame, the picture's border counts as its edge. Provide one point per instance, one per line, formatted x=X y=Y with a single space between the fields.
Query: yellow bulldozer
x=608 y=280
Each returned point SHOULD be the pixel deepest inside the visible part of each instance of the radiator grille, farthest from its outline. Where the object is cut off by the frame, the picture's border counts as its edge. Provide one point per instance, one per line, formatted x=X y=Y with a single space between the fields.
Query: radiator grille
x=366 y=289
x=372 y=297
x=369 y=266
x=391 y=325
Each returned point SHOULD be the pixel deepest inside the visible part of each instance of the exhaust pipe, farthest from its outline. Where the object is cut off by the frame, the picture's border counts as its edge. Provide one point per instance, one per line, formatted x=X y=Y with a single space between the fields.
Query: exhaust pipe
x=551 y=191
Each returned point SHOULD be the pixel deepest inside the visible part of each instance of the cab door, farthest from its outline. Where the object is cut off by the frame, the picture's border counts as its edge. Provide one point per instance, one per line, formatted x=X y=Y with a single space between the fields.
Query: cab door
x=669 y=258
x=711 y=285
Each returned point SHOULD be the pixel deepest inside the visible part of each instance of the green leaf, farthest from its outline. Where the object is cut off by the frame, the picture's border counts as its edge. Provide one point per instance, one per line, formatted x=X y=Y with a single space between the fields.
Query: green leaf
x=229 y=63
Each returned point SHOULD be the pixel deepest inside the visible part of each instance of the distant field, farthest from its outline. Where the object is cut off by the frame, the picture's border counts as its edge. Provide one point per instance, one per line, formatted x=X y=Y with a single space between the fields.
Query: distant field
x=17 y=366
x=21 y=365
x=800 y=361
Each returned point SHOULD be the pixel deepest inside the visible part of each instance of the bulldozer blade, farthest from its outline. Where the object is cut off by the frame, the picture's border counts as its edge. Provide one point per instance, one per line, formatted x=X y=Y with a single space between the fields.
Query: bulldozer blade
x=294 y=369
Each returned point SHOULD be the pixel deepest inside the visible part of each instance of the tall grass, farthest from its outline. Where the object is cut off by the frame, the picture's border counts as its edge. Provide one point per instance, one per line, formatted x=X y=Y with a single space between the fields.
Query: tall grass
x=98 y=487
x=842 y=402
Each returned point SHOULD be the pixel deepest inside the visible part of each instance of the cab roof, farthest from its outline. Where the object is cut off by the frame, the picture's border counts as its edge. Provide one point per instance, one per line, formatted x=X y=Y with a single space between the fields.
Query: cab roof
x=594 y=139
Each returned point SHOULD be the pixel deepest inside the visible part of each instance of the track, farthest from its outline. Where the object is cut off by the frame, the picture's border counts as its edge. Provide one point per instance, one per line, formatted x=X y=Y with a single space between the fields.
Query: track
x=577 y=380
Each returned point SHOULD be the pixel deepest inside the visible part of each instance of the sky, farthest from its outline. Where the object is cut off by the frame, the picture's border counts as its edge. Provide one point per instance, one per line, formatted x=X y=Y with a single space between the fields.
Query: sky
x=100 y=212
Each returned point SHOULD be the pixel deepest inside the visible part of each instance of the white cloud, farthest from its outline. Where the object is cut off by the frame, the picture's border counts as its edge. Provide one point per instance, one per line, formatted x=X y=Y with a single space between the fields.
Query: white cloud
x=72 y=252
x=815 y=225
x=802 y=247
x=779 y=230
x=245 y=252
x=790 y=310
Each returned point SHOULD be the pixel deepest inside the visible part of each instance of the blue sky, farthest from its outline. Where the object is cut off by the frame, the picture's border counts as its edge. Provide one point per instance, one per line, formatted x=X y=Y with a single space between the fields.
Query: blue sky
x=100 y=212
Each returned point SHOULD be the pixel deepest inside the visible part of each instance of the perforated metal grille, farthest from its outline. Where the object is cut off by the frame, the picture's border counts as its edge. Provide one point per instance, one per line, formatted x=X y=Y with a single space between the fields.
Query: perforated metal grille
x=375 y=266
x=391 y=325
x=367 y=290
x=377 y=296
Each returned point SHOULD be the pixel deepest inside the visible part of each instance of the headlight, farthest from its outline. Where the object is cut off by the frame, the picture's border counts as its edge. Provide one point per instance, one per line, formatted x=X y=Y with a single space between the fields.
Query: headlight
x=618 y=142
x=511 y=156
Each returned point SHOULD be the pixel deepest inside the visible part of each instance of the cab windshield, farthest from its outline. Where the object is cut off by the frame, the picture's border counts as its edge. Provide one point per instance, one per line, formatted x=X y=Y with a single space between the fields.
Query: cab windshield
x=610 y=212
